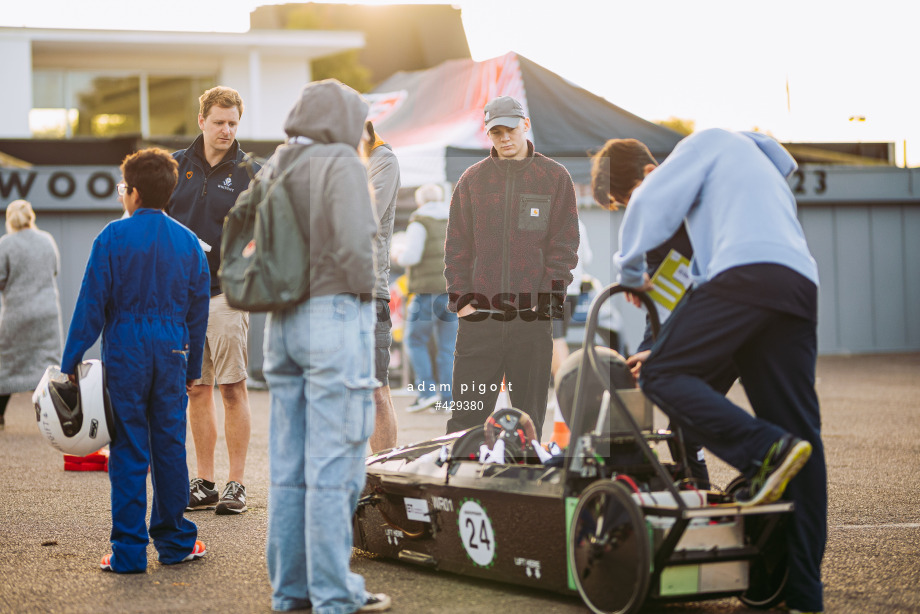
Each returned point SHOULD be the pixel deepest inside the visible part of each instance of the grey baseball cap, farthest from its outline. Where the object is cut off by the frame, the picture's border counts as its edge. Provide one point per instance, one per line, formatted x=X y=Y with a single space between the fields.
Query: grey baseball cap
x=503 y=111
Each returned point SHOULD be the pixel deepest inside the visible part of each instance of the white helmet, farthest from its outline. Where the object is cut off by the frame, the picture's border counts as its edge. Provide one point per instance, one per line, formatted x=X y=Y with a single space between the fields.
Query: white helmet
x=76 y=419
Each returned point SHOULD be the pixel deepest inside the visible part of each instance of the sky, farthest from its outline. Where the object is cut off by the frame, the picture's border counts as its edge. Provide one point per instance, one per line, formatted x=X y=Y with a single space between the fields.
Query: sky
x=801 y=70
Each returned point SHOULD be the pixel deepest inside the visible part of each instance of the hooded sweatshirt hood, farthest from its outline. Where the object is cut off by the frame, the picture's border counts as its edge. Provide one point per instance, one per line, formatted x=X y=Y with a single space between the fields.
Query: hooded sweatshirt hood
x=328 y=112
x=777 y=154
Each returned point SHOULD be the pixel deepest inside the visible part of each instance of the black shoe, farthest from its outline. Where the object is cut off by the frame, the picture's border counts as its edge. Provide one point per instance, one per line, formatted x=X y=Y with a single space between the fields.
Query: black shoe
x=376 y=602
x=232 y=500
x=783 y=461
x=200 y=497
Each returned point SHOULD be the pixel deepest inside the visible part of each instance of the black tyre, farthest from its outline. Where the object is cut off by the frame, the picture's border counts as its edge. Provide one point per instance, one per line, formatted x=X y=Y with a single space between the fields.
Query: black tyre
x=609 y=550
x=769 y=572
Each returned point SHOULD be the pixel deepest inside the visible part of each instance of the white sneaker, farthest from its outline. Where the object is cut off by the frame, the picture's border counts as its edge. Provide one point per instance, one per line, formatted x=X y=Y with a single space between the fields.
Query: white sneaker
x=424 y=402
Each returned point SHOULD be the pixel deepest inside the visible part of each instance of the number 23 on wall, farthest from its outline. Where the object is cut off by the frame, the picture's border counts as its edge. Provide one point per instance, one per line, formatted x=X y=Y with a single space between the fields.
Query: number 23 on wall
x=800 y=184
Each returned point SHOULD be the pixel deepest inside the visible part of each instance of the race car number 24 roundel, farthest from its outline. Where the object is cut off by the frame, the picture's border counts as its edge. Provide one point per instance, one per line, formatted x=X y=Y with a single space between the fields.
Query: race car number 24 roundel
x=476 y=533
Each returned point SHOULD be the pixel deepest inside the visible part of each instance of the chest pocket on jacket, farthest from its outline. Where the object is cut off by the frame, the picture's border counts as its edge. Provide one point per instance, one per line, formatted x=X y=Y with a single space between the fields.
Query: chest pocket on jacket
x=533 y=212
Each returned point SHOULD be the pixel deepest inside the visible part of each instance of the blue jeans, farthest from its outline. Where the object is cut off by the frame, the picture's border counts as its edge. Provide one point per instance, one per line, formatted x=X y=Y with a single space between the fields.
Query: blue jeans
x=429 y=317
x=319 y=369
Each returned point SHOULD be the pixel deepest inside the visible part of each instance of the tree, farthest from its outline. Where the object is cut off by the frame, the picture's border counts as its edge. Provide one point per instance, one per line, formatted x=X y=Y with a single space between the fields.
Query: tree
x=345 y=66
x=678 y=124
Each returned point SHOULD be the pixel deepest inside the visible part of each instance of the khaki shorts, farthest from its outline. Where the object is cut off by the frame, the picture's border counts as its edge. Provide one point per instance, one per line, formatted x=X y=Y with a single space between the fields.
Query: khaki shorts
x=226 y=355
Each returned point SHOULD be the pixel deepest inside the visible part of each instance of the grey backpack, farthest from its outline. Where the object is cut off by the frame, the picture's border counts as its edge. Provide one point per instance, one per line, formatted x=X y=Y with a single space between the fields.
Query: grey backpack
x=265 y=255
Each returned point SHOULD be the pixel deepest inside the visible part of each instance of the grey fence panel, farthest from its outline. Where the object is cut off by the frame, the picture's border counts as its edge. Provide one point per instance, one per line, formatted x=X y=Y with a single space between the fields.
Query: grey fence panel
x=818 y=225
x=912 y=276
x=886 y=249
x=854 y=301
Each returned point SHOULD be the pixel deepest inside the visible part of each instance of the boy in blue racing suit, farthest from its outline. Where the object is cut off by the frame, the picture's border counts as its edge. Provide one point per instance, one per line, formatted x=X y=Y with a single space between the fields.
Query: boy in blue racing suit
x=146 y=290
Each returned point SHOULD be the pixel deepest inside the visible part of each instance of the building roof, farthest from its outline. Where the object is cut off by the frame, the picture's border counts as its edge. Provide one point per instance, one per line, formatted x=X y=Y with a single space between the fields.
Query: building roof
x=87 y=49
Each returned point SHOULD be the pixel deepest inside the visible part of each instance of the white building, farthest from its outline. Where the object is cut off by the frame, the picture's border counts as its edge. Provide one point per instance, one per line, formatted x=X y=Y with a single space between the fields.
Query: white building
x=85 y=84
x=64 y=83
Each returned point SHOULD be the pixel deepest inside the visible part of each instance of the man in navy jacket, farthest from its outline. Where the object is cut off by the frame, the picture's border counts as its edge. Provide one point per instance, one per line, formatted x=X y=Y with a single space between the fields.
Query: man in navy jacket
x=213 y=172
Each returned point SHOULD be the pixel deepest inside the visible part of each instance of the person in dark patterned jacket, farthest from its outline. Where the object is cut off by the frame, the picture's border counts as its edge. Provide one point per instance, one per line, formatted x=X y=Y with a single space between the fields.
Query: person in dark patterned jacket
x=512 y=237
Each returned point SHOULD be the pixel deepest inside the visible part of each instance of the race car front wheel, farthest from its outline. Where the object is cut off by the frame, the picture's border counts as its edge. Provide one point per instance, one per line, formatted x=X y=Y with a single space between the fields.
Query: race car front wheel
x=608 y=549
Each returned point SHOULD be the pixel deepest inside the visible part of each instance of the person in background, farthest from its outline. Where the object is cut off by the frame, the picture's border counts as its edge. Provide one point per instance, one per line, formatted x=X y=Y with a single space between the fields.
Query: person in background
x=512 y=238
x=146 y=291
x=429 y=321
x=319 y=362
x=30 y=311
x=383 y=174
x=561 y=325
x=753 y=302
x=213 y=172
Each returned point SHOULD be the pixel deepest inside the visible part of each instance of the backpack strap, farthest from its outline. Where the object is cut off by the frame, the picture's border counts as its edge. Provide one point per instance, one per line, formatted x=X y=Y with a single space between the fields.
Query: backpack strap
x=277 y=182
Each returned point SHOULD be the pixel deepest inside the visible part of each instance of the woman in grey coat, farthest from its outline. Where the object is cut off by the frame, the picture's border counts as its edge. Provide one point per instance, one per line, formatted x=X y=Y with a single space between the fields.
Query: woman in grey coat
x=30 y=309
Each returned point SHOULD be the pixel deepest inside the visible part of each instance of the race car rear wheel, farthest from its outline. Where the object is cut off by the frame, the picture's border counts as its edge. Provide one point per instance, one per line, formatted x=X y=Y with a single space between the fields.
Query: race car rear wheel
x=608 y=549
x=769 y=572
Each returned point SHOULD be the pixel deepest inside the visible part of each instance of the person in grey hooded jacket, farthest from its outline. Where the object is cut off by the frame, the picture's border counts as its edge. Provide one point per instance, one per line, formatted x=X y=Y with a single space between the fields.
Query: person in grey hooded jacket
x=383 y=174
x=319 y=361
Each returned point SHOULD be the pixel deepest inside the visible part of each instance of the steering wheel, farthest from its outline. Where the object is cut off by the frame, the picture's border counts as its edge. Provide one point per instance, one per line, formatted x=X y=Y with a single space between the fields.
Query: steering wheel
x=515 y=428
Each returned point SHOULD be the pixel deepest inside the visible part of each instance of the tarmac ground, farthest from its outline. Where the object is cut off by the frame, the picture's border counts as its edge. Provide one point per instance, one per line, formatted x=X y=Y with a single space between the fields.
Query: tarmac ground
x=54 y=525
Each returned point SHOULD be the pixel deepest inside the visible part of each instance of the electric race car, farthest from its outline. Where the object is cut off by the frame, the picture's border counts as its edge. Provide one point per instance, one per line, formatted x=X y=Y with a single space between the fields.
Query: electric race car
x=605 y=518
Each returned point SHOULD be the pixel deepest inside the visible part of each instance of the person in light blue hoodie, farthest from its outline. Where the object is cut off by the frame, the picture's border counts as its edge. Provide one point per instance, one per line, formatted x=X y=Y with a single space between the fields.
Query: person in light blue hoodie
x=753 y=303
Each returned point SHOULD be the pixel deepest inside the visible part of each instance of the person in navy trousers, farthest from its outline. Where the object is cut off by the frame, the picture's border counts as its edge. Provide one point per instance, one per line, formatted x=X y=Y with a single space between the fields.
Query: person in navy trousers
x=753 y=304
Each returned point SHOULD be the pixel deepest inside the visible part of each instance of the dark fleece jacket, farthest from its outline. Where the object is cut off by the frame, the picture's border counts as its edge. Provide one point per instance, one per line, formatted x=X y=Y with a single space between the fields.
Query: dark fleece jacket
x=512 y=234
